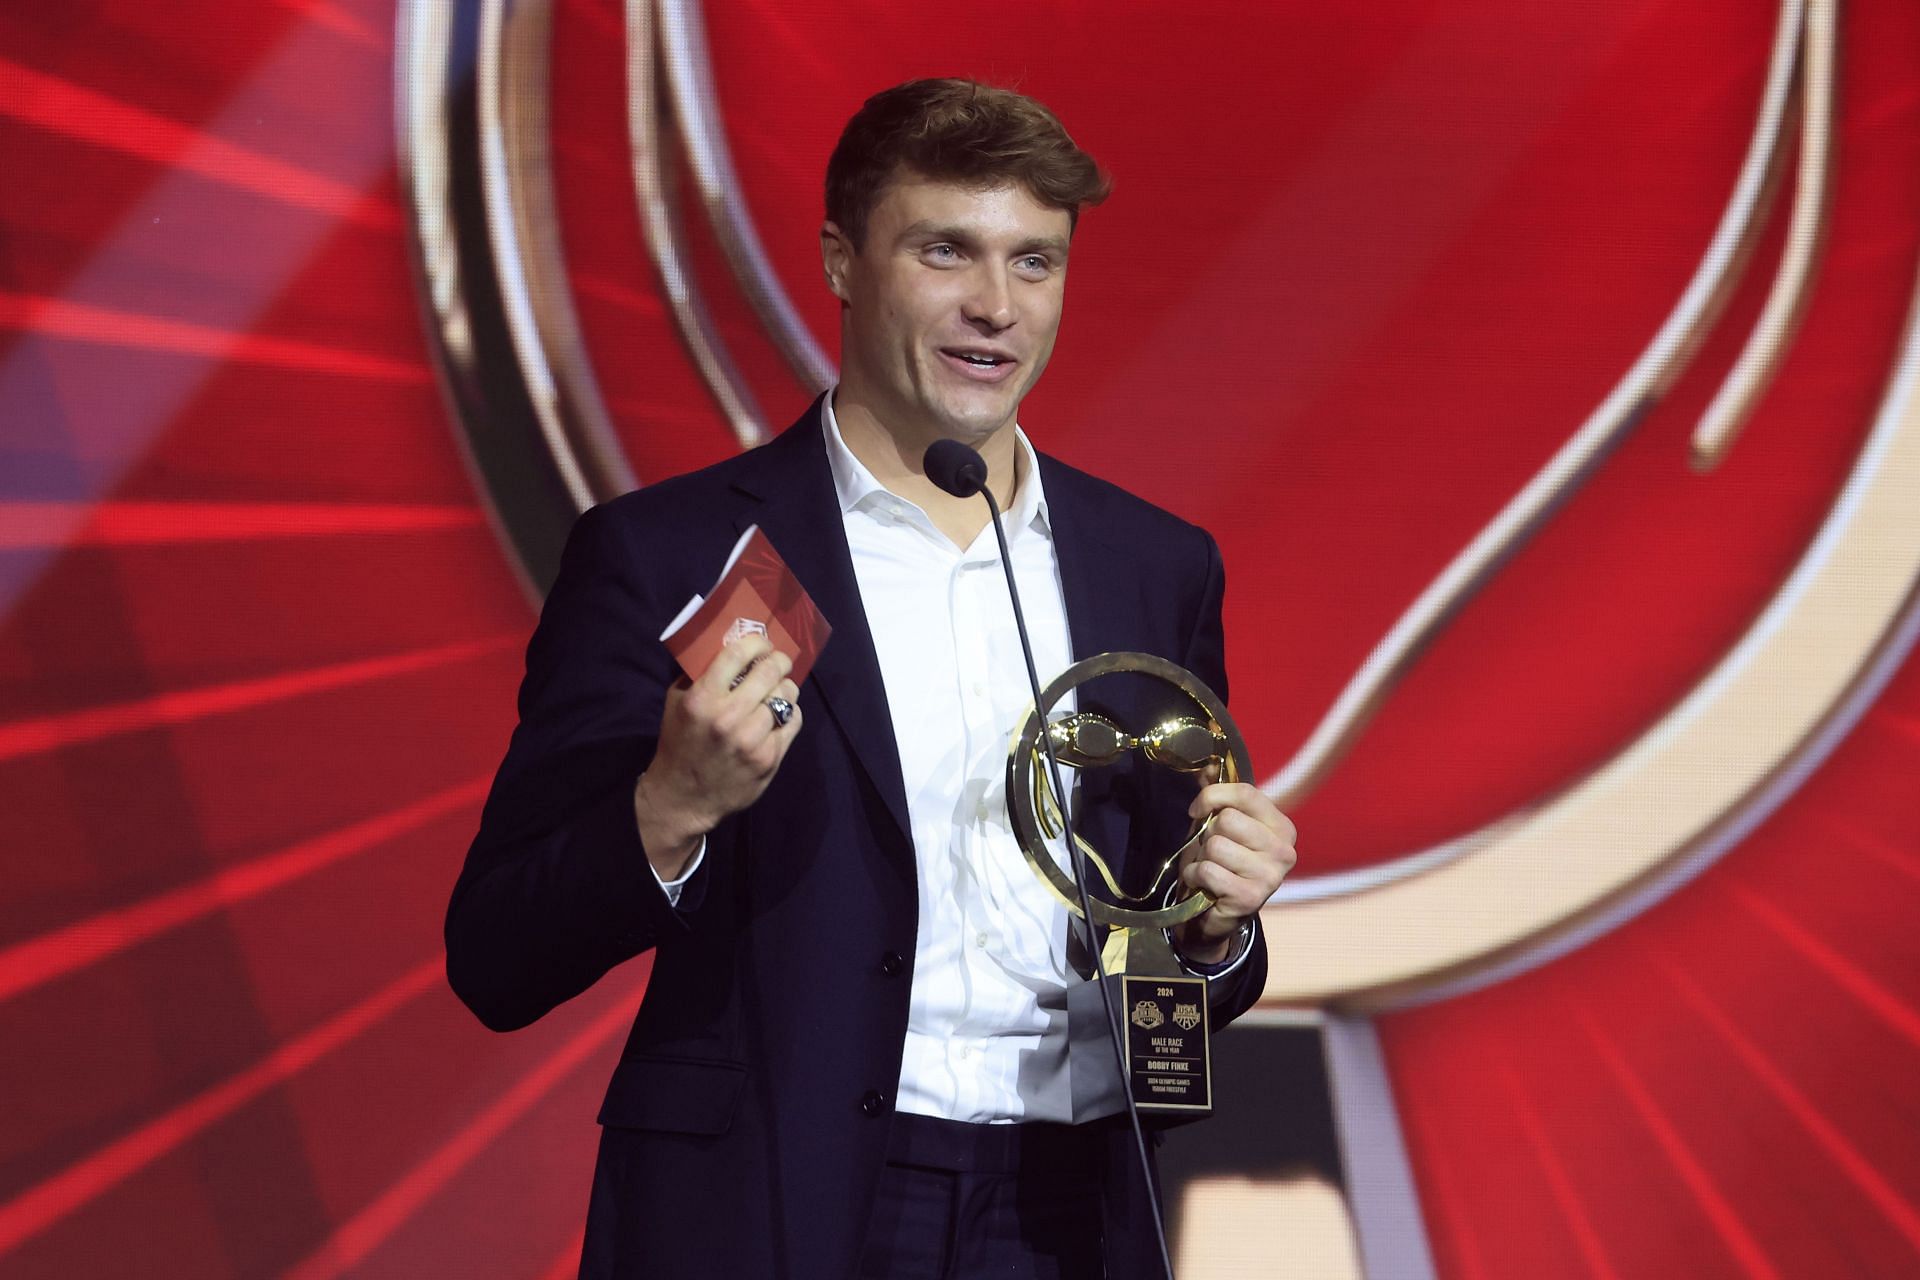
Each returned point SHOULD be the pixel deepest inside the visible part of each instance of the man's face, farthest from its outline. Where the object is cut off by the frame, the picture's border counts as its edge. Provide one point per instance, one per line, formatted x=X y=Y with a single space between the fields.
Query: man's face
x=952 y=305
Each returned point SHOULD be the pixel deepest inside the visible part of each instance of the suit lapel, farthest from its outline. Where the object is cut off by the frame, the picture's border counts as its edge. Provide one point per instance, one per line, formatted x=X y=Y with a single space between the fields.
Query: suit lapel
x=1096 y=621
x=1108 y=610
x=799 y=509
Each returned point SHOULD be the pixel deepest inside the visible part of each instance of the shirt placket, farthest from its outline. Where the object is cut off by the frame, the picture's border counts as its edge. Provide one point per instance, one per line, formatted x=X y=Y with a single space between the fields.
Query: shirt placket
x=974 y=579
x=1013 y=884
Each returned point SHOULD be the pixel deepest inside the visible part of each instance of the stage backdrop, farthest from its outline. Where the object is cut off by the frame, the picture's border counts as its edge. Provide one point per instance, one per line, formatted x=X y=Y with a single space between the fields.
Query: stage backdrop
x=1547 y=373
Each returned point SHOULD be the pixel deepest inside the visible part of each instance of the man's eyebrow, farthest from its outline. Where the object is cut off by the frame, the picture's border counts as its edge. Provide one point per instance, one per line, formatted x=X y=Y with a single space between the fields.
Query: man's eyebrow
x=927 y=229
x=1054 y=245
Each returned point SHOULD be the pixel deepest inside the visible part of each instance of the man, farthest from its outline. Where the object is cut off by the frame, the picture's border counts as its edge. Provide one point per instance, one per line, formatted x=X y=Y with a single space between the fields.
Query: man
x=851 y=1057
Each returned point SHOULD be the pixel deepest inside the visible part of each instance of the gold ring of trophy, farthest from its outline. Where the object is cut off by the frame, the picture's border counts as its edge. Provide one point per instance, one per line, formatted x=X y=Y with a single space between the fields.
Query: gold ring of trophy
x=1187 y=744
x=1168 y=1067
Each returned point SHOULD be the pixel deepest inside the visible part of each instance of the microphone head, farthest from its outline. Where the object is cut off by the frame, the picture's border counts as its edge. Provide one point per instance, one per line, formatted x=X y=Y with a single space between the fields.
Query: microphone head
x=959 y=470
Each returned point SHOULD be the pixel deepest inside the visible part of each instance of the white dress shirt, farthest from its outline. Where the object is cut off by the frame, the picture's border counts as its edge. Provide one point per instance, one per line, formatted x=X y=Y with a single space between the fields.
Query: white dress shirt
x=987 y=1015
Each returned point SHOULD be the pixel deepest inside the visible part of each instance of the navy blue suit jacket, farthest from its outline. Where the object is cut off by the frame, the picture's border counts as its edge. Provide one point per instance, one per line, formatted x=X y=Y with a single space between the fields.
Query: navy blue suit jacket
x=741 y=1136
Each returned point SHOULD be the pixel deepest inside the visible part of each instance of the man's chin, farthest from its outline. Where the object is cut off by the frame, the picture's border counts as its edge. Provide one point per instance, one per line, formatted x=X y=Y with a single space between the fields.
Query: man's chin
x=973 y=424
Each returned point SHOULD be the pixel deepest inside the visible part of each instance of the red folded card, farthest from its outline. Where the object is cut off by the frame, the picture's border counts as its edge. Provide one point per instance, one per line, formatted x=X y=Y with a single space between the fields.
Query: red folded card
x=756 y=594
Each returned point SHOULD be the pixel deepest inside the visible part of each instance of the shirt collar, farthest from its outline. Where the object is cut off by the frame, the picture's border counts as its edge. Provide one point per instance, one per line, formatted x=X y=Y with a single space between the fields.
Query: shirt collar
x=857 y=487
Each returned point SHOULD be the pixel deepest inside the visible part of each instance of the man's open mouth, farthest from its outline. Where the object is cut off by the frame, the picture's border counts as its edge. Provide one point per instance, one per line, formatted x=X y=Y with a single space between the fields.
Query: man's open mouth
x=980 y=360
x=988 y=366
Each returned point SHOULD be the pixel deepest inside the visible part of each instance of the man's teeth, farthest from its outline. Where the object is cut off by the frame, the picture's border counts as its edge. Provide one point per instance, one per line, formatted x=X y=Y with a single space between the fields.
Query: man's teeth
x=987 y=361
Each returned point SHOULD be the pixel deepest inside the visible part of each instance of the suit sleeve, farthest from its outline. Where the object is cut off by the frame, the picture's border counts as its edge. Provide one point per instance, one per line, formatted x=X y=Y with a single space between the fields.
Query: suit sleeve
x=557 y=889
x=1233 y=993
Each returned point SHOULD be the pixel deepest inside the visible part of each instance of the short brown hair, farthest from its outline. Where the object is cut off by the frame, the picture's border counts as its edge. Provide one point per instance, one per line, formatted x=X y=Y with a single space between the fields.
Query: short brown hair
x=956 y=131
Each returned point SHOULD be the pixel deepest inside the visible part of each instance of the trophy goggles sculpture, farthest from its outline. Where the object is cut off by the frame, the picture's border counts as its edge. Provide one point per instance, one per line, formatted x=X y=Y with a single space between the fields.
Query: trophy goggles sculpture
x=1163 y=1004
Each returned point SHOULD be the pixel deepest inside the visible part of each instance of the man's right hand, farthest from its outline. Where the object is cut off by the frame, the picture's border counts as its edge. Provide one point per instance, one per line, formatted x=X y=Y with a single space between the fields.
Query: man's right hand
x=719 y=748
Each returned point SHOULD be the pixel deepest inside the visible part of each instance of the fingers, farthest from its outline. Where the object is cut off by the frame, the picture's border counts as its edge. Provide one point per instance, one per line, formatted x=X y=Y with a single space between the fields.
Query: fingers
x=784 y=733
x=782 y=736
x=1240 y=875
x=745 y=719
x=1247 y=799
x=730 y=666
x=1238 y=843
x=745 y=672
x=761 y=734
x=1245 y=854
x=1233 y=896
x=761 y=679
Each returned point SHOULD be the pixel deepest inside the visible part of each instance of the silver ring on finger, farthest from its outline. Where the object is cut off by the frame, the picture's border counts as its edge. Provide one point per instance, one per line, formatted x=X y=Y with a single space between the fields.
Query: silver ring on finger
x=782 y=711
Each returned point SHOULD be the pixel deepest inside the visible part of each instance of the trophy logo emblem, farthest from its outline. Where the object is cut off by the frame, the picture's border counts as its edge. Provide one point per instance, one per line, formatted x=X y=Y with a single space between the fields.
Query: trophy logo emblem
x=1186 y=1016
x=1147 y=1015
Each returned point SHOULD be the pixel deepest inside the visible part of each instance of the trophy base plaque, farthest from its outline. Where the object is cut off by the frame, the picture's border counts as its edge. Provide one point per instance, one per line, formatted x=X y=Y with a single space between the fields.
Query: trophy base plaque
x=1168 y=1067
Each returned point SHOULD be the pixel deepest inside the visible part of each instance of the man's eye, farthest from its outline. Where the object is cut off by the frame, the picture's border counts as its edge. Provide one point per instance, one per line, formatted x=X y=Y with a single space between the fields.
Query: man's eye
x=1034 y=264
x=942 y=252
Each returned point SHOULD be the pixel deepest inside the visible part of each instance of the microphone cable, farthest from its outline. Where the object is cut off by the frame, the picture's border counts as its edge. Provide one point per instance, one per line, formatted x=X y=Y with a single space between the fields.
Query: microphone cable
x=962 y=472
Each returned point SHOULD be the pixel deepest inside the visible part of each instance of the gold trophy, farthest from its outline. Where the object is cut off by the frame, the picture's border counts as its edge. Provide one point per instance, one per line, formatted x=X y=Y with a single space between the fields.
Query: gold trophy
x=1162 y=1006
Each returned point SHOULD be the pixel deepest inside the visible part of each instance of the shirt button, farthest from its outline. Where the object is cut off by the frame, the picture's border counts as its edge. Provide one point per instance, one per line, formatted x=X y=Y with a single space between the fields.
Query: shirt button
x=891 y=964
x=873 y=1102
x=980 y=940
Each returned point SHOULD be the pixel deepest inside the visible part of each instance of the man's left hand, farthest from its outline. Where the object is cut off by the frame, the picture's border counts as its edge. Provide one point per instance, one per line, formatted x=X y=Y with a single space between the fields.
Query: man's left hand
x=1240 y=863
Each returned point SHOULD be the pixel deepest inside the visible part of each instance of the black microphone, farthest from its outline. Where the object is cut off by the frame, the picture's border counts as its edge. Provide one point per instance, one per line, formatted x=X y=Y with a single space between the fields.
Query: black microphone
x=959 y=470
x=962 y=472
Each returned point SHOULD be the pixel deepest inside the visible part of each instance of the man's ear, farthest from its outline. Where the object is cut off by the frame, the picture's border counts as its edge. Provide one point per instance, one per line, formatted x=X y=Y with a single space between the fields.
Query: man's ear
x=836 y=259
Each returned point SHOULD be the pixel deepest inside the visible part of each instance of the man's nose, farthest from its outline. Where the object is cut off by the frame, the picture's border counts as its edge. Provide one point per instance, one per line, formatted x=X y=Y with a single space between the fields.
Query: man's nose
x=990 y=302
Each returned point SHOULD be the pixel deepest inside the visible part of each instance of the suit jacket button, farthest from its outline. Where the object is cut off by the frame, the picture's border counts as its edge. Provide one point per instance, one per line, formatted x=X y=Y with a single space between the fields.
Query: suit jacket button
x=873 y=1102
x=891 y=964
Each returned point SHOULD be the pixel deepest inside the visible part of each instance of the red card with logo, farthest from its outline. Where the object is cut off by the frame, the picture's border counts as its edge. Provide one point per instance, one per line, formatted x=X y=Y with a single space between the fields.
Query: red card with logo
x=756 y=594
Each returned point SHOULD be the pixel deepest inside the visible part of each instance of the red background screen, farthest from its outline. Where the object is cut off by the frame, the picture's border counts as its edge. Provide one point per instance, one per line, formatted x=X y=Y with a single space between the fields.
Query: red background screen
x=1366 y=267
